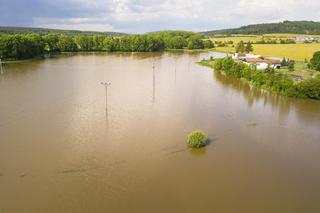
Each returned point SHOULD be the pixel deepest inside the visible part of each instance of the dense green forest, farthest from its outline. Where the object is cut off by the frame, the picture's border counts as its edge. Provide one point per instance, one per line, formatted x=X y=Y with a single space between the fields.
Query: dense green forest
x=44 y=31
x=25 y=46
x=296 y=27
x=268 y=79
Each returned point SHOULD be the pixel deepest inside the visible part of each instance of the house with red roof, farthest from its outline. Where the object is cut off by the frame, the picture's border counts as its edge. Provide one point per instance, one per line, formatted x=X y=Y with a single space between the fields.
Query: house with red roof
x=263 y=64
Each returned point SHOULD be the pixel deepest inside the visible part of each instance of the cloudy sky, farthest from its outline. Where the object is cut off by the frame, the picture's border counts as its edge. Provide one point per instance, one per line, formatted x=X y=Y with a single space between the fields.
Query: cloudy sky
x=139 y=16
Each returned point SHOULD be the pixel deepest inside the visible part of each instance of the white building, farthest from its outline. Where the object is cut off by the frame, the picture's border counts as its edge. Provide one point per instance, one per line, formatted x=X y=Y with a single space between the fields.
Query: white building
x=263 y=64
x=239 y=56
x=243 y=56
x=306 y=38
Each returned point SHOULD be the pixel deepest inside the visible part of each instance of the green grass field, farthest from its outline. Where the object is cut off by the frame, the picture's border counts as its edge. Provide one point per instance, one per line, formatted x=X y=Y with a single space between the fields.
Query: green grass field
x=298 y=52
x=300 y=69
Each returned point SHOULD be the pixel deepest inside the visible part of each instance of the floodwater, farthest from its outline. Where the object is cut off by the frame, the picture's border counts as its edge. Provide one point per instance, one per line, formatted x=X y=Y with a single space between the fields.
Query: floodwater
x=61 y=150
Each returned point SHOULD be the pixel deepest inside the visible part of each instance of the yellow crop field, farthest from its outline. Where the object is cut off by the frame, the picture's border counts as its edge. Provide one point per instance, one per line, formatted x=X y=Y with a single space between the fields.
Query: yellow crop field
x=237 y=39
x=298 y=51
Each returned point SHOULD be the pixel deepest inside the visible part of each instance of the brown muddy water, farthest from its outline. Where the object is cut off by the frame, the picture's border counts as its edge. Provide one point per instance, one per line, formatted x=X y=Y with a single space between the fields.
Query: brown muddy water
x=61 y=151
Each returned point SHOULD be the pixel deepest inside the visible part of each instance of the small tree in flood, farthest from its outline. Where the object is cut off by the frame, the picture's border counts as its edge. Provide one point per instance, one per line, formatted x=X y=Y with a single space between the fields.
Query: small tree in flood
x=197 y=139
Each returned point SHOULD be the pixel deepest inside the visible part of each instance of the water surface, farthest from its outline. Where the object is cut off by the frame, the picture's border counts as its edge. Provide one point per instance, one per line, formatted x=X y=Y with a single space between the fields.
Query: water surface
x=62 y=151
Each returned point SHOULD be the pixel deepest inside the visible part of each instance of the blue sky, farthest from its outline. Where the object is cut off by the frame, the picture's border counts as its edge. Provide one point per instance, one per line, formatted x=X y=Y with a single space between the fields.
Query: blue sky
x=139 y=16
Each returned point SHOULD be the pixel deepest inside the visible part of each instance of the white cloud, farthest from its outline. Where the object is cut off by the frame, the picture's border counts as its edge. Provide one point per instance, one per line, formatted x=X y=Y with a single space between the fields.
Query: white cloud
x=150 y=15
x=86 y=24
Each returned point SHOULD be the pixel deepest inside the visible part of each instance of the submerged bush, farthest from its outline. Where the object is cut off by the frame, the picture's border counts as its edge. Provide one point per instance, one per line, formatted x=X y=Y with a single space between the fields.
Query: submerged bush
x=197 y=139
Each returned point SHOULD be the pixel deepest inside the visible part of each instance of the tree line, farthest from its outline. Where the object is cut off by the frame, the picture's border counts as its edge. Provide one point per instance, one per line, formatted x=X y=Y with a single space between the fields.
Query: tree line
x=268 y=79
x=24 y=46
x=241 y=47
x=294 y=27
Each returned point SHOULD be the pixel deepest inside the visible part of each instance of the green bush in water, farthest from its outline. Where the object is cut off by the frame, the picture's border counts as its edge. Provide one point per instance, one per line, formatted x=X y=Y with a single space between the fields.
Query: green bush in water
x=197 y=139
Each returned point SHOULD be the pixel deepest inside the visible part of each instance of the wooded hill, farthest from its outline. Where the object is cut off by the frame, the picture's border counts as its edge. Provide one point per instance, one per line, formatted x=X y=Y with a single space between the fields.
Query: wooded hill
x=45 y=31
x=294 y=27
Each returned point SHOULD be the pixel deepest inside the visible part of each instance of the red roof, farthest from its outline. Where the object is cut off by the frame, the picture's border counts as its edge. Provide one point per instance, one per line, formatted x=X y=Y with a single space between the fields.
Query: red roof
x=259 y=60
x=273 y=61
x=254 y=60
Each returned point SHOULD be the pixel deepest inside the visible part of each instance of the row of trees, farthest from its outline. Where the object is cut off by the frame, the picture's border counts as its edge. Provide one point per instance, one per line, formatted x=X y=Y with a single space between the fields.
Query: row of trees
x=294 y=27
x=288 y=63
x=241 y=47
x=20 y=46
x=275 y=41
x=270 y=80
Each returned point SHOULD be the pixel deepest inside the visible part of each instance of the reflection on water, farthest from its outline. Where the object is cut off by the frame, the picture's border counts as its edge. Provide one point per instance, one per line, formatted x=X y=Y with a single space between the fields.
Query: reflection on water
x=62 y=150
x=198 y=152
x=305 y=109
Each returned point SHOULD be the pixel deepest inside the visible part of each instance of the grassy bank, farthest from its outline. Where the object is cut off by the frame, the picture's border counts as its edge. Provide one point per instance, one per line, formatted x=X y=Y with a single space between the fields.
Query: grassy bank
x=276 y=81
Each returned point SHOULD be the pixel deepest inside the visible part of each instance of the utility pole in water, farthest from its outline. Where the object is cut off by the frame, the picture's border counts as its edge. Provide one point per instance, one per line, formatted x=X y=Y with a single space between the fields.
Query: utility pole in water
x=154 y=82
x=175 y=69
x=106 y=84
x=1 y=69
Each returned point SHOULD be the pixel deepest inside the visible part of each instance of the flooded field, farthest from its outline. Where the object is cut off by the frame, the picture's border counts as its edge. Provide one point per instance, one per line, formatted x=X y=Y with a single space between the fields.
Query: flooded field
x=61 y=150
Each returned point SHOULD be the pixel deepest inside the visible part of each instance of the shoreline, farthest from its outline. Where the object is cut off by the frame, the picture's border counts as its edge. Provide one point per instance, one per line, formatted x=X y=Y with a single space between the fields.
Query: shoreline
x=90 y=52
x=263 y=88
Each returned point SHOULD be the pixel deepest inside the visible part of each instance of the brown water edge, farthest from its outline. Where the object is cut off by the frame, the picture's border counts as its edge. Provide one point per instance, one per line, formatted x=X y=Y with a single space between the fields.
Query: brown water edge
x=61 y=152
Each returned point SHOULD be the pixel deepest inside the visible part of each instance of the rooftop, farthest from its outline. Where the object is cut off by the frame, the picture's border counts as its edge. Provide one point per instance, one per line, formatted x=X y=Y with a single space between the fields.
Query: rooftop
x=259 y=60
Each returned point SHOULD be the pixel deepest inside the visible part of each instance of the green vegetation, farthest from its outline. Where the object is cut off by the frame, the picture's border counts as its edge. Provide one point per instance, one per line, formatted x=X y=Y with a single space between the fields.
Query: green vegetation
x=306 y=89
x=268 y=79
x=300 y=71
x=197 y=139
x=249 y=47
x=251 y=123
x=315 y=61
x=25 y=46
x=290 y=65
x=296 y=27
x=21 y=46
x=242 y=48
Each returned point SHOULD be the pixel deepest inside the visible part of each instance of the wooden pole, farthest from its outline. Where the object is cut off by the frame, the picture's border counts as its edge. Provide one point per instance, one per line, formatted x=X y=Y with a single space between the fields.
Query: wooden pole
x=1 y=69
x=154 y=83
x=105 y=84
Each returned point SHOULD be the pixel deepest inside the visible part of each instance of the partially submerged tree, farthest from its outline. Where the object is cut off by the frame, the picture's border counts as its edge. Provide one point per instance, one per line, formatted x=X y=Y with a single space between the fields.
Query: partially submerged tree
x=197 y=139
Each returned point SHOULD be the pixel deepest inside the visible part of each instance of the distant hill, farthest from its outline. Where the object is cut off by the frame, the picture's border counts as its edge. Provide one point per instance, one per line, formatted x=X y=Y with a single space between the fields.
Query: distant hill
x=42 y=31
x=295 y=27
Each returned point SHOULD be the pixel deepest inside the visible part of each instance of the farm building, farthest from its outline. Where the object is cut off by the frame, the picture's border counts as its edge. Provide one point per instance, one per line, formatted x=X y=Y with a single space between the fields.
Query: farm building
x=305 y=38
x=262 y=64
x=243 y=56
